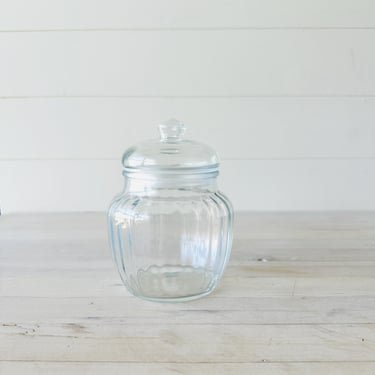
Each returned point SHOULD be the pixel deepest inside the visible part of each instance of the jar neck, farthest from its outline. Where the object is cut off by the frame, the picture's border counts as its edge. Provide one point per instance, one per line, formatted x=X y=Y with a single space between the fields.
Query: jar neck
x=143 y=184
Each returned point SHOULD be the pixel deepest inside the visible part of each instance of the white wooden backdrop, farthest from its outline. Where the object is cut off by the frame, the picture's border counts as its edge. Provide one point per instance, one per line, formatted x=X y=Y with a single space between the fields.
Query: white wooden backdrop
x=284 y=90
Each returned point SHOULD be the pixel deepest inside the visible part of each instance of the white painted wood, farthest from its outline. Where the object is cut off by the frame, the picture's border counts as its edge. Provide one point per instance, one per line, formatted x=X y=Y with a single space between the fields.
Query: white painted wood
x=189 y=343
x=268 y=226
x=50 y=285
x=260 y=239
x=217 y=310
x=260 y=269
x=188 y=63
x=89 y=185
x=238 y=128
x=265 y=80
x=70 y=314
x=93 y=14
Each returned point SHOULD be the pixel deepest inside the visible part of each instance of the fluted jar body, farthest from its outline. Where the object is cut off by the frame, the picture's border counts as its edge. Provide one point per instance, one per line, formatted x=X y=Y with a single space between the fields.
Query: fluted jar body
x=170 y=229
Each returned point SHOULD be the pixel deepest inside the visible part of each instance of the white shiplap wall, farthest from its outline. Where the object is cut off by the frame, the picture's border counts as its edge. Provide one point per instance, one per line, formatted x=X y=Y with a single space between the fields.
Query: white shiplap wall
x=284 y=90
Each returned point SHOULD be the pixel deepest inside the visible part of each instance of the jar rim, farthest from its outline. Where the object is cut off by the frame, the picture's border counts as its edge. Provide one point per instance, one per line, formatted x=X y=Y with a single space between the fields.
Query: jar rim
x=170 y=172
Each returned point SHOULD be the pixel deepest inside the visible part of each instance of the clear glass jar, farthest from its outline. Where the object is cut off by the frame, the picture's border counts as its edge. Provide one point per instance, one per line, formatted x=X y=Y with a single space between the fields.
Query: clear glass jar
x=170 y=229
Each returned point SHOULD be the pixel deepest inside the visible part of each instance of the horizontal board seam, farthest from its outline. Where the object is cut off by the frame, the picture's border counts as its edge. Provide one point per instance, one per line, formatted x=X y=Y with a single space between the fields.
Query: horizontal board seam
x=180 y=362
x=223 y=159
x=167 y=29
x=172 y=323
x=271 y=96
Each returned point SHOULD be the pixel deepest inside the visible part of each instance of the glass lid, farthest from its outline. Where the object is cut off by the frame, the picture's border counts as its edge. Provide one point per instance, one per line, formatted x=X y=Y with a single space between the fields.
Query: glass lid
x=171 y=153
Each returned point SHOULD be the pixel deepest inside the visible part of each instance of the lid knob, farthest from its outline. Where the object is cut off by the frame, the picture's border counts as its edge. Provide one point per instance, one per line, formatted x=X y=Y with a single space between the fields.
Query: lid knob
x=171 y=131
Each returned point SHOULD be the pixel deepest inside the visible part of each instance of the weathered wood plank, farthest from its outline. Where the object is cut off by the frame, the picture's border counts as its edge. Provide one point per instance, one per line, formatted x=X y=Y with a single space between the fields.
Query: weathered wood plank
x=28 y=311
x=62 y=304
x=100 y=368
x=308 y=226
x=71 y=267
x=95 y=254
x=190 y=343
x=49 y=286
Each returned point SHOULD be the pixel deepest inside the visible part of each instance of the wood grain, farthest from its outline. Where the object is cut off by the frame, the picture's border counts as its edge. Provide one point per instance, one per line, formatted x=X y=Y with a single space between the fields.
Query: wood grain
x=189 y=343
x=119 y=368
x=280 y=310
x=63 y=308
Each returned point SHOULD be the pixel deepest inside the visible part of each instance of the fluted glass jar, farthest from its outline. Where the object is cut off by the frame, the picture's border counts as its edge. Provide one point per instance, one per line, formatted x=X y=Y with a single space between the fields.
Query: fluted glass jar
x=170 y=229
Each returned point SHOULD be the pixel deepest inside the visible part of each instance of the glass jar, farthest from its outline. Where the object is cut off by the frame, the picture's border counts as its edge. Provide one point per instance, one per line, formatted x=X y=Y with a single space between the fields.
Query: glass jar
x=170 y=229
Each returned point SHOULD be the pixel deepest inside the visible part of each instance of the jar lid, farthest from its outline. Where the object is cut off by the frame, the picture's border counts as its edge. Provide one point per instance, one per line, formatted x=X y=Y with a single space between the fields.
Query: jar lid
x=172 y=153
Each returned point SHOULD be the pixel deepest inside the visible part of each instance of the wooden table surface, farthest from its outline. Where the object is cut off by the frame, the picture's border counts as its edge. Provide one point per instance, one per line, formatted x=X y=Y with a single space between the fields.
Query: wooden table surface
x=298 y=297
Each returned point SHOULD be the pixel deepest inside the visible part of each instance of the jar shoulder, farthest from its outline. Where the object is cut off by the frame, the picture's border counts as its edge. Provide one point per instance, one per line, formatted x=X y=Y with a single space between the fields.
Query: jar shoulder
x=212 y=200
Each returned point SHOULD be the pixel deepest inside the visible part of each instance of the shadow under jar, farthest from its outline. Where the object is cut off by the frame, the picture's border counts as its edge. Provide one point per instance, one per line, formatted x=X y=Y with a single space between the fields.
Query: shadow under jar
x=170 y=229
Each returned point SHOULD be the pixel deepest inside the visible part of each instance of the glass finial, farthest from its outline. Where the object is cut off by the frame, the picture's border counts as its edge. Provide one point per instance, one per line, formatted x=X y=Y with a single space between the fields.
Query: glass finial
x=171 y=130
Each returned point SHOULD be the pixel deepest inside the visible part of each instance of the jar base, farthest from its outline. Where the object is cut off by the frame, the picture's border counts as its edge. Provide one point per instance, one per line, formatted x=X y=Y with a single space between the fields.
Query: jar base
x=174 y=299
x=171 y=283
